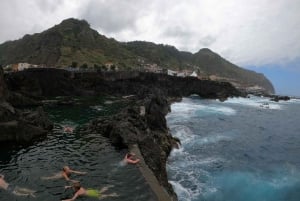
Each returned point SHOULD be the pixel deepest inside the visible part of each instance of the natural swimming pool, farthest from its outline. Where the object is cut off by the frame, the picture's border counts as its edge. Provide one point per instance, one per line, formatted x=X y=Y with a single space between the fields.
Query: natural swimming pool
x=25 y=165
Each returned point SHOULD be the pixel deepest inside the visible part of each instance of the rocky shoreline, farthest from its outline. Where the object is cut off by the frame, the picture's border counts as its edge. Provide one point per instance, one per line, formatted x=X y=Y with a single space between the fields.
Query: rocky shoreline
x=140 y=126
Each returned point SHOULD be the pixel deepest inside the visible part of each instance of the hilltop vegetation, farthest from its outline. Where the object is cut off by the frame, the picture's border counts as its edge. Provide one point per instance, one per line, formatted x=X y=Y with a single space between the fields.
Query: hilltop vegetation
x=74 y=42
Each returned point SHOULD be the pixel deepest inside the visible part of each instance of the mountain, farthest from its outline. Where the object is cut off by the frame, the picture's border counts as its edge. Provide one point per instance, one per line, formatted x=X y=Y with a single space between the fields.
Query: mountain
x=213 y=64
x=205 y=62
x=73 y=41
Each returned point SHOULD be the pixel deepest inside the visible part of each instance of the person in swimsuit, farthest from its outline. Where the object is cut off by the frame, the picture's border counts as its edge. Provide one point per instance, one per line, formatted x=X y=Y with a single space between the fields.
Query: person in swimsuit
x=66 y=173
x=89 y=192
x=15 y=189
x=131 y=158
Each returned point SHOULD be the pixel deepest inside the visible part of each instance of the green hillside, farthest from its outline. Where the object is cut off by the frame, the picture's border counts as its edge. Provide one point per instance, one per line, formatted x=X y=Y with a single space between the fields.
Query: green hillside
x=73 y=41
x=163 y=55
x=70 y=41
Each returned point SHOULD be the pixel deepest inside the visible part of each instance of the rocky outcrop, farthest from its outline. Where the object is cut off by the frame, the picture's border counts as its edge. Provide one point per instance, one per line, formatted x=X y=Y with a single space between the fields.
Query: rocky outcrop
x=41 y=82
x=16 y=125
x=144 y=125
x=277 y=98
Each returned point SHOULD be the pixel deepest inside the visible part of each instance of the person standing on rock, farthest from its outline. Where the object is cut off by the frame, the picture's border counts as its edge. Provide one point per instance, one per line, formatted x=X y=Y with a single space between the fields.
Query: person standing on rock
x=15 y=189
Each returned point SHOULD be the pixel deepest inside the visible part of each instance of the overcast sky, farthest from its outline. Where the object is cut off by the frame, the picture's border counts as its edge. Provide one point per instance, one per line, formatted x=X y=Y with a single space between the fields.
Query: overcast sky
x=257 y=34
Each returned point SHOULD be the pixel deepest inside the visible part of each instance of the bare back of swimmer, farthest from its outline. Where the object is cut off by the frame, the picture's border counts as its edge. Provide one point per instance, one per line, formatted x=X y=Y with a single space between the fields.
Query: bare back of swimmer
x=15 y=189
x=65 y=173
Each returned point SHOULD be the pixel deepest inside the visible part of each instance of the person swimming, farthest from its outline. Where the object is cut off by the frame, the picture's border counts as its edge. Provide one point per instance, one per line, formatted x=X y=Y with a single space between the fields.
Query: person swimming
x=15 y=189
x=89 y=192
x=131 y=158
x=68 y=129
x=66 y=173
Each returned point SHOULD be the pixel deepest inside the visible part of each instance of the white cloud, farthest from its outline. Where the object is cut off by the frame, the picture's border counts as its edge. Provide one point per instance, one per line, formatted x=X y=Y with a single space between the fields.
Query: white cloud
x=255 y=32
x=31 y=16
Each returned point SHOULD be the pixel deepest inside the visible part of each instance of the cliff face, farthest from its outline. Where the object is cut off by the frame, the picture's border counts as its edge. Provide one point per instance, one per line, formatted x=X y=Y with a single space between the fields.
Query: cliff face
x=55 y=82
x=18 y=126
x=73 y=42
x=3 y=89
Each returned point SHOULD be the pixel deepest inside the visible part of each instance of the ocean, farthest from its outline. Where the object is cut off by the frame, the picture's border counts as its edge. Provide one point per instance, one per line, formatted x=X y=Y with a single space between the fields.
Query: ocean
x=243 y=149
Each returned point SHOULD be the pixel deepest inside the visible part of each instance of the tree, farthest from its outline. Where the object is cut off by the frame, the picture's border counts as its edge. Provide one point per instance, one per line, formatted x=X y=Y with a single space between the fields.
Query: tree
x=104 y=68
x=113 y=68
x=74 y=64
x=97 y=67
x=84 y=66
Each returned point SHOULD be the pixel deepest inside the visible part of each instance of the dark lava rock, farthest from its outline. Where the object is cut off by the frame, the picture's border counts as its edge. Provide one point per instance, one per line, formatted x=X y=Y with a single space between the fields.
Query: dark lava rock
x=277 y=98
x=3 y=88
x=143 y=124
x=41 y=83
x=17 y=125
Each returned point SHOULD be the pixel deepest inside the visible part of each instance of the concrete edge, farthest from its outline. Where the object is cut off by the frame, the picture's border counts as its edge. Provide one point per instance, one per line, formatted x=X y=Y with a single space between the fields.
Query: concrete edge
x=149 y=176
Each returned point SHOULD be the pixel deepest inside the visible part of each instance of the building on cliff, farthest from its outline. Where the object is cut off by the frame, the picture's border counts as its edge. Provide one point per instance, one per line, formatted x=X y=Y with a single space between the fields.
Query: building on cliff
x=19 y=67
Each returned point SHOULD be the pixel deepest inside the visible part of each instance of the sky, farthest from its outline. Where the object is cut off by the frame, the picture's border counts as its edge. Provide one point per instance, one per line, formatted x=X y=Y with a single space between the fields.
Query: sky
x=260 y=35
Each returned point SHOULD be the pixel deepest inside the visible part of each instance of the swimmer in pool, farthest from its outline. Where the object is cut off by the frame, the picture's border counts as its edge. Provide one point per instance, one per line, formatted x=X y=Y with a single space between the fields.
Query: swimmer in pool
x=65 y=173
x=68 y=129
x=80 y=191
x=15 y=189
x=131 y=158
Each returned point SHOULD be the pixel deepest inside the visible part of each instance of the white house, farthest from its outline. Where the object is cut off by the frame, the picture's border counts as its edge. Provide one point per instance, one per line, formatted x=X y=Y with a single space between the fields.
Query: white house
x=171 y=72
x=22 y=66
x=181 y=74
x=194 y=74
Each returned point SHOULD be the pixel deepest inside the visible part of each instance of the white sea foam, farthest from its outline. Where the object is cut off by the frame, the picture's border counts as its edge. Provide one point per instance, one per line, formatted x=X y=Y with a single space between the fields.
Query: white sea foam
x=182 y=193
x=293 y=100
x=189 y=184
x=253 y=101
x=209 y=161
x=177 y=152
x=188 y=173
x=220 y=110
x=188 y=138
x=187 y=110
x=184 y=133
x=213 y=139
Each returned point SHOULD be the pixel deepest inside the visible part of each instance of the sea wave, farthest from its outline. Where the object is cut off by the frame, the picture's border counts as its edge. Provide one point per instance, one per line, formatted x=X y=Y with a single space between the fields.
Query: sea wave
x=254 y=101
x=230 y=149
x=188 y=109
